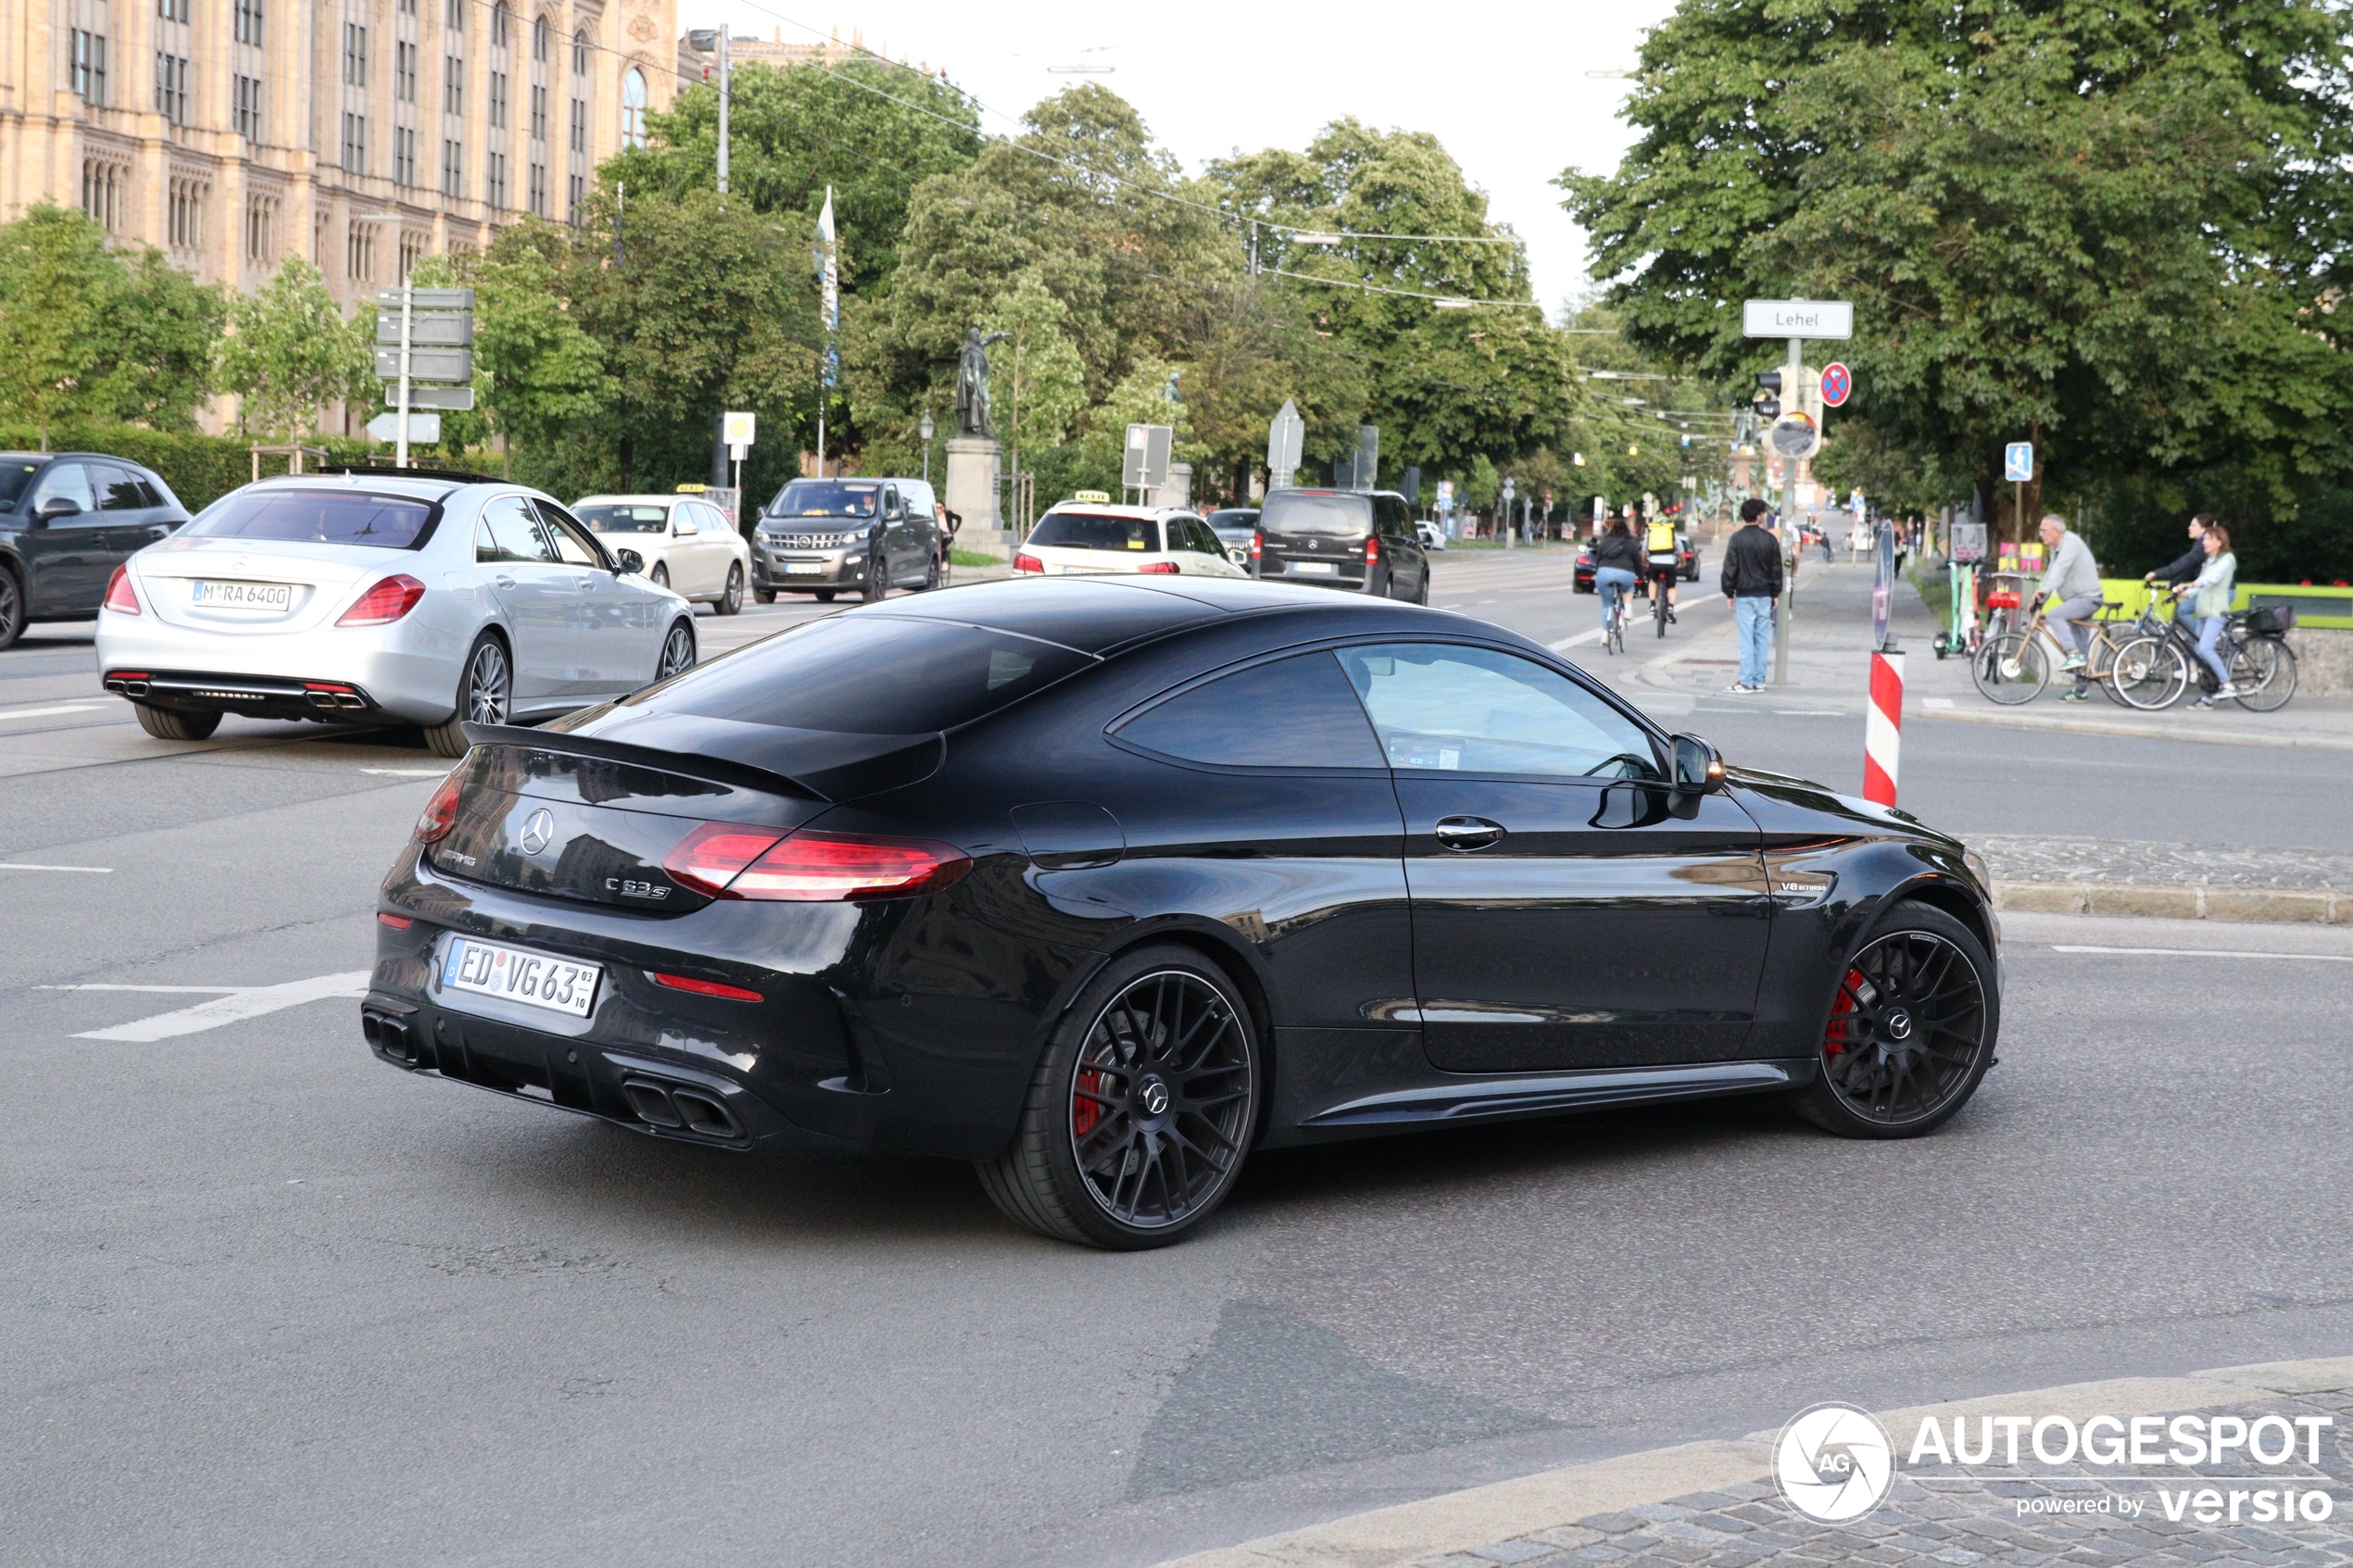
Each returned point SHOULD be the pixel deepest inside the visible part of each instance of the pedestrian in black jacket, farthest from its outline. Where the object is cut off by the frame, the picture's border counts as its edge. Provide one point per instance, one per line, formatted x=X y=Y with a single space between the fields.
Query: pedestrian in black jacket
x=2185 y=568
x=1752 y=584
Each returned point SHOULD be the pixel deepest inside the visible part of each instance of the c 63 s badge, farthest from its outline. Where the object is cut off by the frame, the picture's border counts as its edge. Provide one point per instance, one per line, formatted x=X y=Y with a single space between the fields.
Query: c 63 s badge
x=629 y=889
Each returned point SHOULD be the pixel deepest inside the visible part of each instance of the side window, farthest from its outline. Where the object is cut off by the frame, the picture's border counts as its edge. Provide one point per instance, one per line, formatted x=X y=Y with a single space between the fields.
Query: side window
x=509 y=532
x=1446 y=706
x=890 y=503
x=151 y=493
x=62 y=481
x=117 y=490
x=1203 y=539
x=574 y=546
x=1295 y=712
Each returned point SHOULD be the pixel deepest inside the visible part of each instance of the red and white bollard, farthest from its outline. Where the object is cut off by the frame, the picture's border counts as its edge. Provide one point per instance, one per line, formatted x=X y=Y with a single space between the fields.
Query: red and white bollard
x=1883 y=728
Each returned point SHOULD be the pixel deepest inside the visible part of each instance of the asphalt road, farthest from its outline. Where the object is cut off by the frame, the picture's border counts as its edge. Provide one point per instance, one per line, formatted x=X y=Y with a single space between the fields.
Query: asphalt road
x=269 y=1300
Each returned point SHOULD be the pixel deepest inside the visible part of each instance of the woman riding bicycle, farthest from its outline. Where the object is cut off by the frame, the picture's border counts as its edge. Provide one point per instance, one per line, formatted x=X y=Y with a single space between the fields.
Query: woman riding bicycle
x=1618 y=559
x=2210 y=600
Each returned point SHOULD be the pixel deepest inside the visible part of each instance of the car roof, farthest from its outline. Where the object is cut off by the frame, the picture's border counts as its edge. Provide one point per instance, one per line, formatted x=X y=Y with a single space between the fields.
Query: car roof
x=1111 y=509
x=648 y=498
x=1101 y=614
x=45 y=457
x=422 y=484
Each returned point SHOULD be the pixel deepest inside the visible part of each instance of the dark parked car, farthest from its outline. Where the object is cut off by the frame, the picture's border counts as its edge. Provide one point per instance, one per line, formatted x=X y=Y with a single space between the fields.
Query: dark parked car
x=1686 y=564
x=1099 y=884
x=866 y=536
x=1236 y=527
x=1360 y=540
x=67 y=520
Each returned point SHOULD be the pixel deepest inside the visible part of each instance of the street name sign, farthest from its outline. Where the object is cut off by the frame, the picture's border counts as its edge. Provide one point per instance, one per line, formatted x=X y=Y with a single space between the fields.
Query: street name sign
x=449 y=399
x=2018 y=462
x=426 y=299
x=424 y=430
x=1798 y=318
x=442 y=329
x=427 y=364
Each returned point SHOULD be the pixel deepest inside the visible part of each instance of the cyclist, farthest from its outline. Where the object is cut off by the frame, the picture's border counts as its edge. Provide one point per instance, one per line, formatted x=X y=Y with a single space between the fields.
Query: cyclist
x=2210 y=601
x=2184 y=568
x=1661 y=558
x=2072 y=584
x=1615 y=557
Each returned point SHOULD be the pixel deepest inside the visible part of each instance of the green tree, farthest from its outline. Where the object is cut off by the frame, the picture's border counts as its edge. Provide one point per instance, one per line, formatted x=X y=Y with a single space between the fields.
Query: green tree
x=2110 y=228
x=1038 y=385
x=539 y=374
x=157 y=330
x=56 y=274
x=289 y=354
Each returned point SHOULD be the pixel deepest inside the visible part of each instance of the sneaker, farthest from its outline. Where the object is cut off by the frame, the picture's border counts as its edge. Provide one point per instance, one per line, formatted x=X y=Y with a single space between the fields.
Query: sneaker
x=1670 y=615
x=2072 y=661
x=2079 y=695
x=2202 y=702
x=2226 y=690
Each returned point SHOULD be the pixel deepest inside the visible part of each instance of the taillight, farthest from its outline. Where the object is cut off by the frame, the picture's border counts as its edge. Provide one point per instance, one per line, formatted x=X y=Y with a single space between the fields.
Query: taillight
x=702 y=987
x=1372 y=551
x=440 y=813
x=120 y=596
x=714 y=855
x=384 y=603
x=1257 y=544
x=1159 y=568
x=1024 y=561
x=394 y=922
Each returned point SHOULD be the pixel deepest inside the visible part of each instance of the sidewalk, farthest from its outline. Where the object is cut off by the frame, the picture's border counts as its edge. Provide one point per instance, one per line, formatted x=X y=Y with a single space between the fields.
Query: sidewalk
x=1717 y=1505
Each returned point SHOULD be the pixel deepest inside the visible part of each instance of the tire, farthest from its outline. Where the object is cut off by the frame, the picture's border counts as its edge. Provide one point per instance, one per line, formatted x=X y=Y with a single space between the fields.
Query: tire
x=1882 y=1072
x=1421 y=594
x=485 y=695
x=931 y=577
x=2010 y=670
x=11 y=609
x=877 y=584
x=172 y=723
x=677 y=651
x=659 y=576
x=1088 y=1125
x=731 y=599
x=2149 y=673
x=2271 y=664
x=825 y=596
x=763 y=595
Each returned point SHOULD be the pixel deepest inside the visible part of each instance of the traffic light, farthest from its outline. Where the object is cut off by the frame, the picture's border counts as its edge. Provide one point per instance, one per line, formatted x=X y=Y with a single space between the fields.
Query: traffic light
x=1769 y=382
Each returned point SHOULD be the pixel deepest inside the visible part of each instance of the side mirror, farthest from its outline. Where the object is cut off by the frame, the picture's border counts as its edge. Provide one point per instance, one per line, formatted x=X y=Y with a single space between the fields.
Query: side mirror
x=1699 y=767
x=57 y=507
x=630 y=562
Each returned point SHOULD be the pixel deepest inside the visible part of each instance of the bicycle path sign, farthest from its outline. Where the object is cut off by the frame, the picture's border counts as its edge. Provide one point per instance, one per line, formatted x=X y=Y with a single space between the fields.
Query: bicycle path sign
x=2018 y=462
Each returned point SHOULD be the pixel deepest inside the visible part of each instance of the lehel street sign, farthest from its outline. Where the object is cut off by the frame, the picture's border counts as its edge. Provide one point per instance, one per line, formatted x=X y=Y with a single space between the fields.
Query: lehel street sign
x=1798 y=318
x=1838 y=384
x=449 y=399
x=2018 y=462
x=455 y=364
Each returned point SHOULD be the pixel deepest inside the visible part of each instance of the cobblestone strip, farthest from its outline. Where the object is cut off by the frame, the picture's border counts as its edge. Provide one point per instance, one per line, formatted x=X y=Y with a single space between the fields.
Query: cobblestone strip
x=2063 y=859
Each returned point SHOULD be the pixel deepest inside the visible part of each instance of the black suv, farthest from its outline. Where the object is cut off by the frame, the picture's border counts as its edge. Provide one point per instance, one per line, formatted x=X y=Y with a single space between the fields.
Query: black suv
x=67 y=520
x=1361 y=540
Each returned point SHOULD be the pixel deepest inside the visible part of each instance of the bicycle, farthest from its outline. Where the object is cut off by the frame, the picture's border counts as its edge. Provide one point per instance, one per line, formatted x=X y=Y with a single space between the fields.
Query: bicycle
x=2262 y=666
x=2147 y=670
x=1660 y=609
x=1614 y=629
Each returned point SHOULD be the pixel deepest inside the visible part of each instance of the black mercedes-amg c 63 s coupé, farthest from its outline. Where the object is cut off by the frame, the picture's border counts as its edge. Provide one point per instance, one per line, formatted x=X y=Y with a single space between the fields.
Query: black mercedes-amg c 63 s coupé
x=1099 y=884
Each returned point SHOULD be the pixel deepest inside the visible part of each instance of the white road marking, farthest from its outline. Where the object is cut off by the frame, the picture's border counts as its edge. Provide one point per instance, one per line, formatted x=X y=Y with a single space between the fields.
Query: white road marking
x=1811 y=712
x=29 y=866
x=237 y=1006
x=409 y=773
x=196 y=990
x=50 y=713
x=1936 y=702
x=1579 y=641
x=2206 y=953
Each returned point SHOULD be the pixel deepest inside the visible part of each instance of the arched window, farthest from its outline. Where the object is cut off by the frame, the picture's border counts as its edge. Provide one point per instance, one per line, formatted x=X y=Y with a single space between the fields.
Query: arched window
x=539 y=31
x=580 y=53
x=499 y=19
x=632 y=108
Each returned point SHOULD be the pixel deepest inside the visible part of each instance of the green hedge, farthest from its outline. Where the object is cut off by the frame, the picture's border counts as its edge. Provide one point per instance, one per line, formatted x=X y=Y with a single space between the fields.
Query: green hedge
x=200 y=468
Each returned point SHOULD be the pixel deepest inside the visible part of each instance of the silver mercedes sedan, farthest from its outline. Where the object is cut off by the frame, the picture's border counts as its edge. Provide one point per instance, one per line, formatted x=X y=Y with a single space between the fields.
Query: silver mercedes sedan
x=370 y=596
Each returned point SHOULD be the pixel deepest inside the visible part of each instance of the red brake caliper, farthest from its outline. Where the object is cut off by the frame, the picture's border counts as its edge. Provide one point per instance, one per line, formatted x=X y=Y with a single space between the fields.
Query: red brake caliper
x=1843 y=1012
x=1084 y=1113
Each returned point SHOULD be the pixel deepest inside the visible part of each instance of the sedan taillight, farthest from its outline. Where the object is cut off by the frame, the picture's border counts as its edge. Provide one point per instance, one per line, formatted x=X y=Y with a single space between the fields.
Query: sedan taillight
x=384 y=603
x=440 y=813
x=1024 y=561
x=1159 y=568
x=727 y=861
x=120 y=596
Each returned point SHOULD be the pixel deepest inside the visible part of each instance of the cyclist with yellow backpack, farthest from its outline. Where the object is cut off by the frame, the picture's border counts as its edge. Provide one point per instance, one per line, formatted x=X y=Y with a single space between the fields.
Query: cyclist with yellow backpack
x=1662 y=558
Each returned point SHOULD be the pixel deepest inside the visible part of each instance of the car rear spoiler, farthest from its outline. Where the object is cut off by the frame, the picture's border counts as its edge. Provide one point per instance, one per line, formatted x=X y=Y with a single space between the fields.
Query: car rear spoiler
x=888 y=762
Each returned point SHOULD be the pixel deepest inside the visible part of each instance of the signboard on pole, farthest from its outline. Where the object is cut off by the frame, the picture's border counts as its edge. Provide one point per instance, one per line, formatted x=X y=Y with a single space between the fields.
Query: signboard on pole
x=1798 y=318
x=1367 y=458
x=1838 y=384
x=450 y=399
x=455 y=364
x=2018 y=462
x=1144 y=465
x=1286 y=433
x=424 y=430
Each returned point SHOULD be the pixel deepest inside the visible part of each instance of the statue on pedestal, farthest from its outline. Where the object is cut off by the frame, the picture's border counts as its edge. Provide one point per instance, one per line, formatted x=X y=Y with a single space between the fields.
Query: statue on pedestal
x=971 y=383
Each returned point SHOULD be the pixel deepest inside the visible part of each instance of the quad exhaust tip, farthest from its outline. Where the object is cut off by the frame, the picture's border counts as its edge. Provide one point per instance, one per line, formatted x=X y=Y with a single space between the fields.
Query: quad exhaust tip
x=678 y=1108
x=390 y=1037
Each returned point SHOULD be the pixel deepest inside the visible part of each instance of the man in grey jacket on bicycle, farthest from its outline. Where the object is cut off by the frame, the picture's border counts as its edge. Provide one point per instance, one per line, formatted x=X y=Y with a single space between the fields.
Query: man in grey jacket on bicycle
x=2073 y=580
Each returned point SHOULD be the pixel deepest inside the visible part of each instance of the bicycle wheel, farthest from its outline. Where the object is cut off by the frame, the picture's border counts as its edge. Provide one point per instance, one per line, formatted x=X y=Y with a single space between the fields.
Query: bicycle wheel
x=1659 y=608
x=2010 y=670
x=2263 y=673
x=1616 y=639
x=2149 y=673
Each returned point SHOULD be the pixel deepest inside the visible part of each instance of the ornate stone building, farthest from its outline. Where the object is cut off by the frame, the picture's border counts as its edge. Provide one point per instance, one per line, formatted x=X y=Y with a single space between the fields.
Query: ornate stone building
x=363 y=133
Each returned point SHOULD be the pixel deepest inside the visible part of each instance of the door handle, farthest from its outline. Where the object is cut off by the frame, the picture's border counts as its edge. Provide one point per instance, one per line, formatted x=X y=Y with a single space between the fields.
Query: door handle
x=504 y=580
x=1468 y=833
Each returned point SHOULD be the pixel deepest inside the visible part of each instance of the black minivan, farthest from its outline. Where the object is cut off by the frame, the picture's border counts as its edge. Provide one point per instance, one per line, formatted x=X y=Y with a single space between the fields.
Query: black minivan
x=1360 y=540
x=67 y=520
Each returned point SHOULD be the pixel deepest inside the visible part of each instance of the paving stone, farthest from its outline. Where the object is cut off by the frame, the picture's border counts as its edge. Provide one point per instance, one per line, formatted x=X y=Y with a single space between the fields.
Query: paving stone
x=1656 y=1511
x=1567 y=1535
x=1511 y=1551
x=1612 y=1523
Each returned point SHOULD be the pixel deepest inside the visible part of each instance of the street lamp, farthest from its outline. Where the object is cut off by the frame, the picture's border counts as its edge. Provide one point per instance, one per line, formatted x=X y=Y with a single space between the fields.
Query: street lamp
x=925 y=430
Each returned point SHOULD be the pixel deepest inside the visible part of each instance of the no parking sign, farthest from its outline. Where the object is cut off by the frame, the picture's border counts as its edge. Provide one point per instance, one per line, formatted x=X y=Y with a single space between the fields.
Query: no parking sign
x=1838 y=384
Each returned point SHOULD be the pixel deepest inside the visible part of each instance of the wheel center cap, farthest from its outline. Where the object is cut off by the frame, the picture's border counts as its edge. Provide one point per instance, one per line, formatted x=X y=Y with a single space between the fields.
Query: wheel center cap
x=1152 y=1095
x=1899 y=1025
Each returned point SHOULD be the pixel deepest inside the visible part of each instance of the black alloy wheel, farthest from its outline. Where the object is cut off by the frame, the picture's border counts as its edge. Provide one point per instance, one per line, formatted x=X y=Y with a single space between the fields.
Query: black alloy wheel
x=486 y=693
x=1142 y=1109
x=11 y=609
x=1910 y=1033
x=931 y=576
x=677 y=652
x=732 y=599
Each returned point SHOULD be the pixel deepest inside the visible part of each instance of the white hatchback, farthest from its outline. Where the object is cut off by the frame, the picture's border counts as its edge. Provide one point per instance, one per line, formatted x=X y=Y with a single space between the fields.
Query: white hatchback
x=1088 y=539
x=688 y=545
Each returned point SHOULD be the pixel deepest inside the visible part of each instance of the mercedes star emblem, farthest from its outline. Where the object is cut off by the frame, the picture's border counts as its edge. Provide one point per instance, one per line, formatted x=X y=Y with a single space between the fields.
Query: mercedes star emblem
x=539 y=831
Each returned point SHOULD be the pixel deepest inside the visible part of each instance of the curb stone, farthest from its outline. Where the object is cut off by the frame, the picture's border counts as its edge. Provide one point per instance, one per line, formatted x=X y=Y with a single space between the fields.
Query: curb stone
x=2181 y=901
x=1676 y=1491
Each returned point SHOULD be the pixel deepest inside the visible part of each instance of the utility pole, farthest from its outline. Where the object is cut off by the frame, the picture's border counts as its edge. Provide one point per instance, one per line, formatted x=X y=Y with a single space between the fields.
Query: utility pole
x=1792 y=378
x=723 y=96
x=408 y=300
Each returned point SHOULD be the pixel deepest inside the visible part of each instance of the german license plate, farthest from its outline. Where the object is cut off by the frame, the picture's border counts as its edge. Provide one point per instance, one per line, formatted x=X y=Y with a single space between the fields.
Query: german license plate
x=1313 y=568
x=245 y=595
x=489 y=968
x=804 y=568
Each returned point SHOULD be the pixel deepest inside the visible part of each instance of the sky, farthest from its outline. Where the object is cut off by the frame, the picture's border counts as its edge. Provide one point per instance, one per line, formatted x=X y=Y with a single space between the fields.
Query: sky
x=1503 y=86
